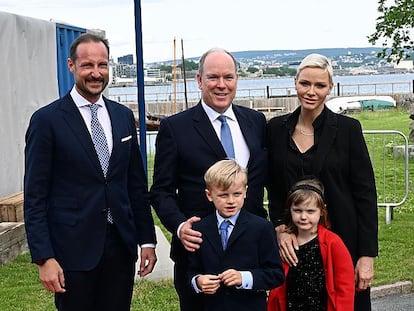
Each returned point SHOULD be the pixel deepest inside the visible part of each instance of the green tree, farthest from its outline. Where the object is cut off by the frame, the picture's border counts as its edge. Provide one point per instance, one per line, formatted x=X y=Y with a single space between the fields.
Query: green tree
x=166 y=68
x=189 y=65
x=394 y=26
x=252 y=69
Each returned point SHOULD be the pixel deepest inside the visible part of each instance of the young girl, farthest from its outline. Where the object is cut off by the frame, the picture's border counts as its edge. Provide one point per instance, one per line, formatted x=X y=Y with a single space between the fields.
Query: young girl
x=323 y=279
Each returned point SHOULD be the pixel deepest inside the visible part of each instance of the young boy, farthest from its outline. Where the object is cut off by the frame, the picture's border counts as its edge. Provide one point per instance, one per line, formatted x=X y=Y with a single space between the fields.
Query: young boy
x=236 y=273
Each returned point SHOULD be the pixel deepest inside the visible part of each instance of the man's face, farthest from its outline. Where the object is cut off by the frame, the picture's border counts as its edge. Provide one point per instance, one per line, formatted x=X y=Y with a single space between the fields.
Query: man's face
x=218 y=83
x=90 y=69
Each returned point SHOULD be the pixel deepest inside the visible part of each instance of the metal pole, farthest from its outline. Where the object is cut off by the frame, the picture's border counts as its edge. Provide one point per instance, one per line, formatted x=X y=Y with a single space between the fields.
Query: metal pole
x=140 y=84
x=184 y=76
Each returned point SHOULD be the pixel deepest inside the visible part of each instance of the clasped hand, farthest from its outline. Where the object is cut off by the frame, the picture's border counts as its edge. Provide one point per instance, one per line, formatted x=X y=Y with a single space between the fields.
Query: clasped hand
x=210 y=283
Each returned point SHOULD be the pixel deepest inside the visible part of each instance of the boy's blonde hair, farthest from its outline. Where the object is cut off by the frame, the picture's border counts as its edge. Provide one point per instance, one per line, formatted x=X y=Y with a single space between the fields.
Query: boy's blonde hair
x=223 y=173
x=302 y=191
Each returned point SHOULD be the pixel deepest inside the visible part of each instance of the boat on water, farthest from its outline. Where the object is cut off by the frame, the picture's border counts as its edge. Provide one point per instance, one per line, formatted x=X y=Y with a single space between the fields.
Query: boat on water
x=347 y=104
x=152 y=122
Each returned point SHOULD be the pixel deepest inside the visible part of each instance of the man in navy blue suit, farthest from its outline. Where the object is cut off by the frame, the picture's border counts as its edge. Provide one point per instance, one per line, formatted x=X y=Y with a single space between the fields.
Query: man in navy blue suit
x=86 y=214
x=187 y=144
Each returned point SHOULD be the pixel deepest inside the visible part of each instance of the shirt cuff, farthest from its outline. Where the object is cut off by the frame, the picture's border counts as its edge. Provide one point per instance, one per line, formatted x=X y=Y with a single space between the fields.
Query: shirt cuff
x=247 y=280
x=194 y=284
x=147 y=245
x=179 y=228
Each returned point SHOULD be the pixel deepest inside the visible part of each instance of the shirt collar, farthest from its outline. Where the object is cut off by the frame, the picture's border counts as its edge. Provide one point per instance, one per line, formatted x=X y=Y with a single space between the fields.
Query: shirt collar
x=232 y=219
x=80 y=101
x=213 y=115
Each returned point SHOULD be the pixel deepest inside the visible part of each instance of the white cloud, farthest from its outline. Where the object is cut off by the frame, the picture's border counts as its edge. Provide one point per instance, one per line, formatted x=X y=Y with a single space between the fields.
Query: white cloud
x=234 y=25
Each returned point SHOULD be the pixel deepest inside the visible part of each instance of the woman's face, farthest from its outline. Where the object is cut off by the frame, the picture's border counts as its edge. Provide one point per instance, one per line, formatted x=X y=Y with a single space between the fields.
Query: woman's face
x=313 y=86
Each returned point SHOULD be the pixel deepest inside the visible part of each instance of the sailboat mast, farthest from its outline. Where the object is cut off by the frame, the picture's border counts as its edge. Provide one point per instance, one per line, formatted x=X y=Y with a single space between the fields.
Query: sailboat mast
x=184 y=77
x=175 y=79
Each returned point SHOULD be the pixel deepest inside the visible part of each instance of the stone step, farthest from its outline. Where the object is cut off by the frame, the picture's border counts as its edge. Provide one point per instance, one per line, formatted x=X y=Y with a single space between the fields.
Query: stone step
x=12 y=240
x=11 y=208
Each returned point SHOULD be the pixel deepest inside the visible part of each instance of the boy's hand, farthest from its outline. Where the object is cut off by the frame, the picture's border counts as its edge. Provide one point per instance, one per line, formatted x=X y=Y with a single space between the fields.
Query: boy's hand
x=208 y=283
x=231 y=277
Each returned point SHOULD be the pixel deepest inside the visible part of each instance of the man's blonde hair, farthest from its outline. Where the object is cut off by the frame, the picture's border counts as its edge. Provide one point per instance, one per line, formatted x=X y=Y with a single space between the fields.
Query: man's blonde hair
x=223 y=173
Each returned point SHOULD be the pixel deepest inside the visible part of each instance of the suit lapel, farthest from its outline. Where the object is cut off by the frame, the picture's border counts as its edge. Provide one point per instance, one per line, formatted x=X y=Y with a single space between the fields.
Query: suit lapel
x=212 y=235
x=239 y=228
x=326 y=141
x=116 y=120
x=205 y=129
x=245 y=125
x=76 y=124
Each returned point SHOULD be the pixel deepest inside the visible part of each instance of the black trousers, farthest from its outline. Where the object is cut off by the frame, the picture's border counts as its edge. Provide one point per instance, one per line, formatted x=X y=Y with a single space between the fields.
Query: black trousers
x=363 y=300
x=189 y=300
x=107 y=287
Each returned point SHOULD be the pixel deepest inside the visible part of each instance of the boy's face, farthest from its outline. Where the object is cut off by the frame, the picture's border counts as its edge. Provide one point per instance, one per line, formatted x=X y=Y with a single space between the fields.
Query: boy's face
x=228 y=202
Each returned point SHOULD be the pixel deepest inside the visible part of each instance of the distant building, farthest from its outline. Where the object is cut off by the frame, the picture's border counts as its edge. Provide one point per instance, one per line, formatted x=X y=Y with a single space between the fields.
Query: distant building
x=404 y=64
x=126 y=59
x=152 y=73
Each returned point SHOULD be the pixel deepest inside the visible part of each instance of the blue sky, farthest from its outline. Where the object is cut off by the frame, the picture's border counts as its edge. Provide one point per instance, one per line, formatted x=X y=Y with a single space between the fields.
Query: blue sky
x=233 y=25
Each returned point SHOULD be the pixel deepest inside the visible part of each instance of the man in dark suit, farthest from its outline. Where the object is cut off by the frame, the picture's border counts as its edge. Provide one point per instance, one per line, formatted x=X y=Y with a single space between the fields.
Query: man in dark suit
x=233 y=270
x=187 y=144
x=86 y=201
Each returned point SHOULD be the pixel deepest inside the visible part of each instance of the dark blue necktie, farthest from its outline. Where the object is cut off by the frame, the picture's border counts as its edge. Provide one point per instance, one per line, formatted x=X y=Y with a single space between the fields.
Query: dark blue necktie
x=100 y=143
x=224 y=234
x=225 y=136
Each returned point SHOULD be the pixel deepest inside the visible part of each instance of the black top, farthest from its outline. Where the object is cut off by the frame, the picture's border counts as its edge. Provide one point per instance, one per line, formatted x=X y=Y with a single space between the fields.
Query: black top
x=305 y=283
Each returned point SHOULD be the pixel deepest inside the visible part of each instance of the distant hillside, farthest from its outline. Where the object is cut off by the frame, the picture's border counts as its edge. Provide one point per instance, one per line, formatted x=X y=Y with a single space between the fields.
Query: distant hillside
x=329 y=52
x=289 y=56
x=345 y=57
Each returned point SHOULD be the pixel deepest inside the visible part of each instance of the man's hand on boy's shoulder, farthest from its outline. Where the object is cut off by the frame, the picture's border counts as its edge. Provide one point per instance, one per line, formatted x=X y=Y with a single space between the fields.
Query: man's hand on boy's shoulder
x=190 y=238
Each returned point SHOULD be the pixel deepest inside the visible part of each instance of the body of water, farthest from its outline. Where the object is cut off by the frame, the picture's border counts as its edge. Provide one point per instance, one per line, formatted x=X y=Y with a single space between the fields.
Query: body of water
x=259 y=88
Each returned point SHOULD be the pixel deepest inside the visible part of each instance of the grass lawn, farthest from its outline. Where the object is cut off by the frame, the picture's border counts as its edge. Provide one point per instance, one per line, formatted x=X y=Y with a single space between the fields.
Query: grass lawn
x=20 y=289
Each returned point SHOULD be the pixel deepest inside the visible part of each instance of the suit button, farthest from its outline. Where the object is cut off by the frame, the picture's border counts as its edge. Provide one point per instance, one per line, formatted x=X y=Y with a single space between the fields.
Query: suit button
x=104 y=210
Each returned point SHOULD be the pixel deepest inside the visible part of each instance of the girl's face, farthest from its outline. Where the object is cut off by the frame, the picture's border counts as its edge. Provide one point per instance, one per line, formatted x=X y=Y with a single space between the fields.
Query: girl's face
x=313 y=86
x=306 y=215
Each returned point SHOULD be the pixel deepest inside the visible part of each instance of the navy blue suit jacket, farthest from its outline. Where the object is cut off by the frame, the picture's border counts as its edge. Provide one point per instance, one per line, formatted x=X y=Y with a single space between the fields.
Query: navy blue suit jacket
x=66 y=194
x=251 y=247
x=186 y=146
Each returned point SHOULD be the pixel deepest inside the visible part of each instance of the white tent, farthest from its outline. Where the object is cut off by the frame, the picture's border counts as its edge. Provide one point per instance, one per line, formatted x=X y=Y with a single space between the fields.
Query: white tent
x=29 y=81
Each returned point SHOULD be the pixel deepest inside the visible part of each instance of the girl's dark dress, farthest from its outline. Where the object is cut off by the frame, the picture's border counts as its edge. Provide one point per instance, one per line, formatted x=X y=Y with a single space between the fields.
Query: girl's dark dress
x=305 y=283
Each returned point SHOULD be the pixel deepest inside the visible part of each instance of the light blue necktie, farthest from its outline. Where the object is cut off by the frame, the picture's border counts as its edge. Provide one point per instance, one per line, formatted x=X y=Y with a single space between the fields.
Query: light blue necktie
x=225 y=136
x=101 y=144
x=224 y=233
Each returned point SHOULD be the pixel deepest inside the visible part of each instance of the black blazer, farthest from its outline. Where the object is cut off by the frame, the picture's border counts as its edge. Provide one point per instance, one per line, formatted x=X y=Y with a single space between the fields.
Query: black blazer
x=67 y=195
x=343 y=165
x=186 y=146
x=251 y=247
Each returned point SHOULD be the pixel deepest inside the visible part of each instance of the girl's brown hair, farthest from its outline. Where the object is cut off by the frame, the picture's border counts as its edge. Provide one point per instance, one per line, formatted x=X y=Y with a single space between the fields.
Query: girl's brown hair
x=302 y=191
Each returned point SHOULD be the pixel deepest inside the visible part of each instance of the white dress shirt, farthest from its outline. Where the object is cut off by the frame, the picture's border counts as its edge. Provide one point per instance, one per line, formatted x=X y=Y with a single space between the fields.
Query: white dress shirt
x=241 y=150
x=103 y=115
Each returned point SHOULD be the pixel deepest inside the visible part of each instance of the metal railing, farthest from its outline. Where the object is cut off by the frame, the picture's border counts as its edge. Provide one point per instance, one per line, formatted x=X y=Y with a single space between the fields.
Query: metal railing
x=384 y=88
x=389 y=153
